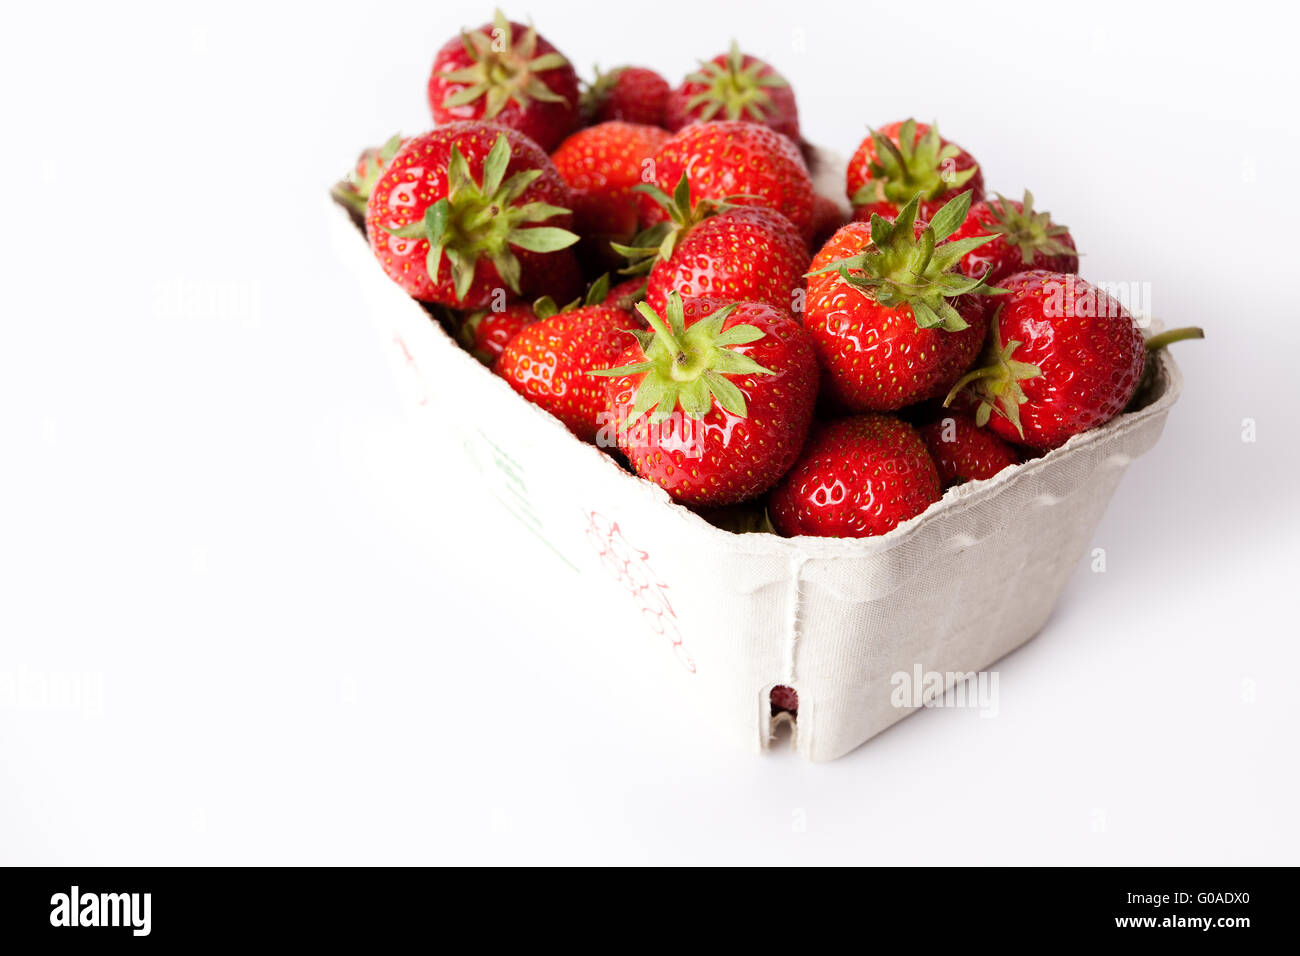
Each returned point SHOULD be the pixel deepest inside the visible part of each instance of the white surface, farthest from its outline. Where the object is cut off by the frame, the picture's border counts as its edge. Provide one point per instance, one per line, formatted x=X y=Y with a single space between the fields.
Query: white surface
x=214 y=518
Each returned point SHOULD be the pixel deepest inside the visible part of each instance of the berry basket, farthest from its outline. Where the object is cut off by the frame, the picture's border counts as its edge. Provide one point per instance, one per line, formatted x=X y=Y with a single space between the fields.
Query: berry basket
x=949 y=592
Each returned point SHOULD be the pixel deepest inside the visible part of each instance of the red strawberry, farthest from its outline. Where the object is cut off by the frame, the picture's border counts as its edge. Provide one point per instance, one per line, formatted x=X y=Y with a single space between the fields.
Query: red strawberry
x=632 y=94
x=734 y=86
x=784 y=698
x=962 y=451
x=601 y=164
x=742 y=254
x=827 y=218
x=475 y=196
x=906 y=159
x=627 y=294
x=485 y=333
x=548 y=363
x=1025 y=240
x=562 y=280
x=1063 y=356
x=893 y=320
x=857 y=477
x=714 y=405
x=355 y=188
x=748 y=163
x=505 y=73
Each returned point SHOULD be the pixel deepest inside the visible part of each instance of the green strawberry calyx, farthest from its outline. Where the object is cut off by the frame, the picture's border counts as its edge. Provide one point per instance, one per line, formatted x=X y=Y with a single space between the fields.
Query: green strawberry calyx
x=354 y=189
x=687 y=368
x=1028 y=230
x=502 y=69
x=899 y=268
x=911 y=167
x=659 y=241
x=995 y=383
x=484 y=220
x=739 y=89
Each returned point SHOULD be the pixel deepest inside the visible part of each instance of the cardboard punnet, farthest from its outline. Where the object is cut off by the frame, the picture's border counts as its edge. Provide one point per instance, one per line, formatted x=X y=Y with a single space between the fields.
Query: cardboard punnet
x=949 y=592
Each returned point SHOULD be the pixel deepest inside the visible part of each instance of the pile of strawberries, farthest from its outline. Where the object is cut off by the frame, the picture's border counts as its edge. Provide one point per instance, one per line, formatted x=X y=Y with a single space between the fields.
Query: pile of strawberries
x=754 y=349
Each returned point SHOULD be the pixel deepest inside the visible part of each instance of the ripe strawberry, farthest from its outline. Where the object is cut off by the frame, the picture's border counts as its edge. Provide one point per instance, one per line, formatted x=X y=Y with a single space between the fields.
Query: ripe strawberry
x=734 y=86
x=561 y=280
x=354 y=189
x=601 y=164
x=827 y=218
x=741 y=254
x=748 y=163
x=715 y=403
x=1063 y=356
x=857 y=477
x=962 y=451
x=632 y=94
x=475 y=195
x=906 y=159
x=485 y=333
x=548 y=363
x=505 y=73
x=893 y=320
x=627 y=294
x=1025 y=240
x=784 y=698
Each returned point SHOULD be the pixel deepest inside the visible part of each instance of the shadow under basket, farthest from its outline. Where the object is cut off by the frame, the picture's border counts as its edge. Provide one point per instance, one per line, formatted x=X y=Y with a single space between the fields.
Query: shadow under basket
x=830 y=620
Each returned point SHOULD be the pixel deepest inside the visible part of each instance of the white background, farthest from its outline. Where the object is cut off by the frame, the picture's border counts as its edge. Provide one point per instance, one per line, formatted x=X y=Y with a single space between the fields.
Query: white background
x=218 y=528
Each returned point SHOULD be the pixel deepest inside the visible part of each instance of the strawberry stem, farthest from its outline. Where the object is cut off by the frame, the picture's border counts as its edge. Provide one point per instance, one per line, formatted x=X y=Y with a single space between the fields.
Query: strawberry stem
x=1165 y=339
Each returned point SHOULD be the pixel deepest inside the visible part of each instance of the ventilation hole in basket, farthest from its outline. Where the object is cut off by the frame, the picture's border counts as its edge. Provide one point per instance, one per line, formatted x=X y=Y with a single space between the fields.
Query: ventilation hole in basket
x=785 y=700
x=784 y=728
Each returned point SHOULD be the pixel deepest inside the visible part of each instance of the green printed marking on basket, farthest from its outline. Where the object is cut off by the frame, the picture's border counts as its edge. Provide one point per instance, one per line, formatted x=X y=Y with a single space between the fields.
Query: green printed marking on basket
x=508 y=483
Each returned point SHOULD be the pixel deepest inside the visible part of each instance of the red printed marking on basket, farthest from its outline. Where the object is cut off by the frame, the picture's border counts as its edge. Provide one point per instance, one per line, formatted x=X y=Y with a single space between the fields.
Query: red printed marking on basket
x=411 y=364
x=630 y=566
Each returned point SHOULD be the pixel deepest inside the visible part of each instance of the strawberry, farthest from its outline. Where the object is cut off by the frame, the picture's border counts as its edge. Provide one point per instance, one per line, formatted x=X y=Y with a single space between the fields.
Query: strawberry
x=893 y=320
x=741 y=254
x=627 y=294
x=1063 y=356
x=561 y=280
x=906 y=159
x=476 y=196
x=734 y=86
x=784 y=698
x=601 y=164
x=505 y=73
x=858 y=476
x=354 y=189
x=747 y=163
x=827 y=218
x=485 y=333
x=1025 y=240
x=632 y=94
x=548 y=362
x=714 y=404
x=962 y=451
